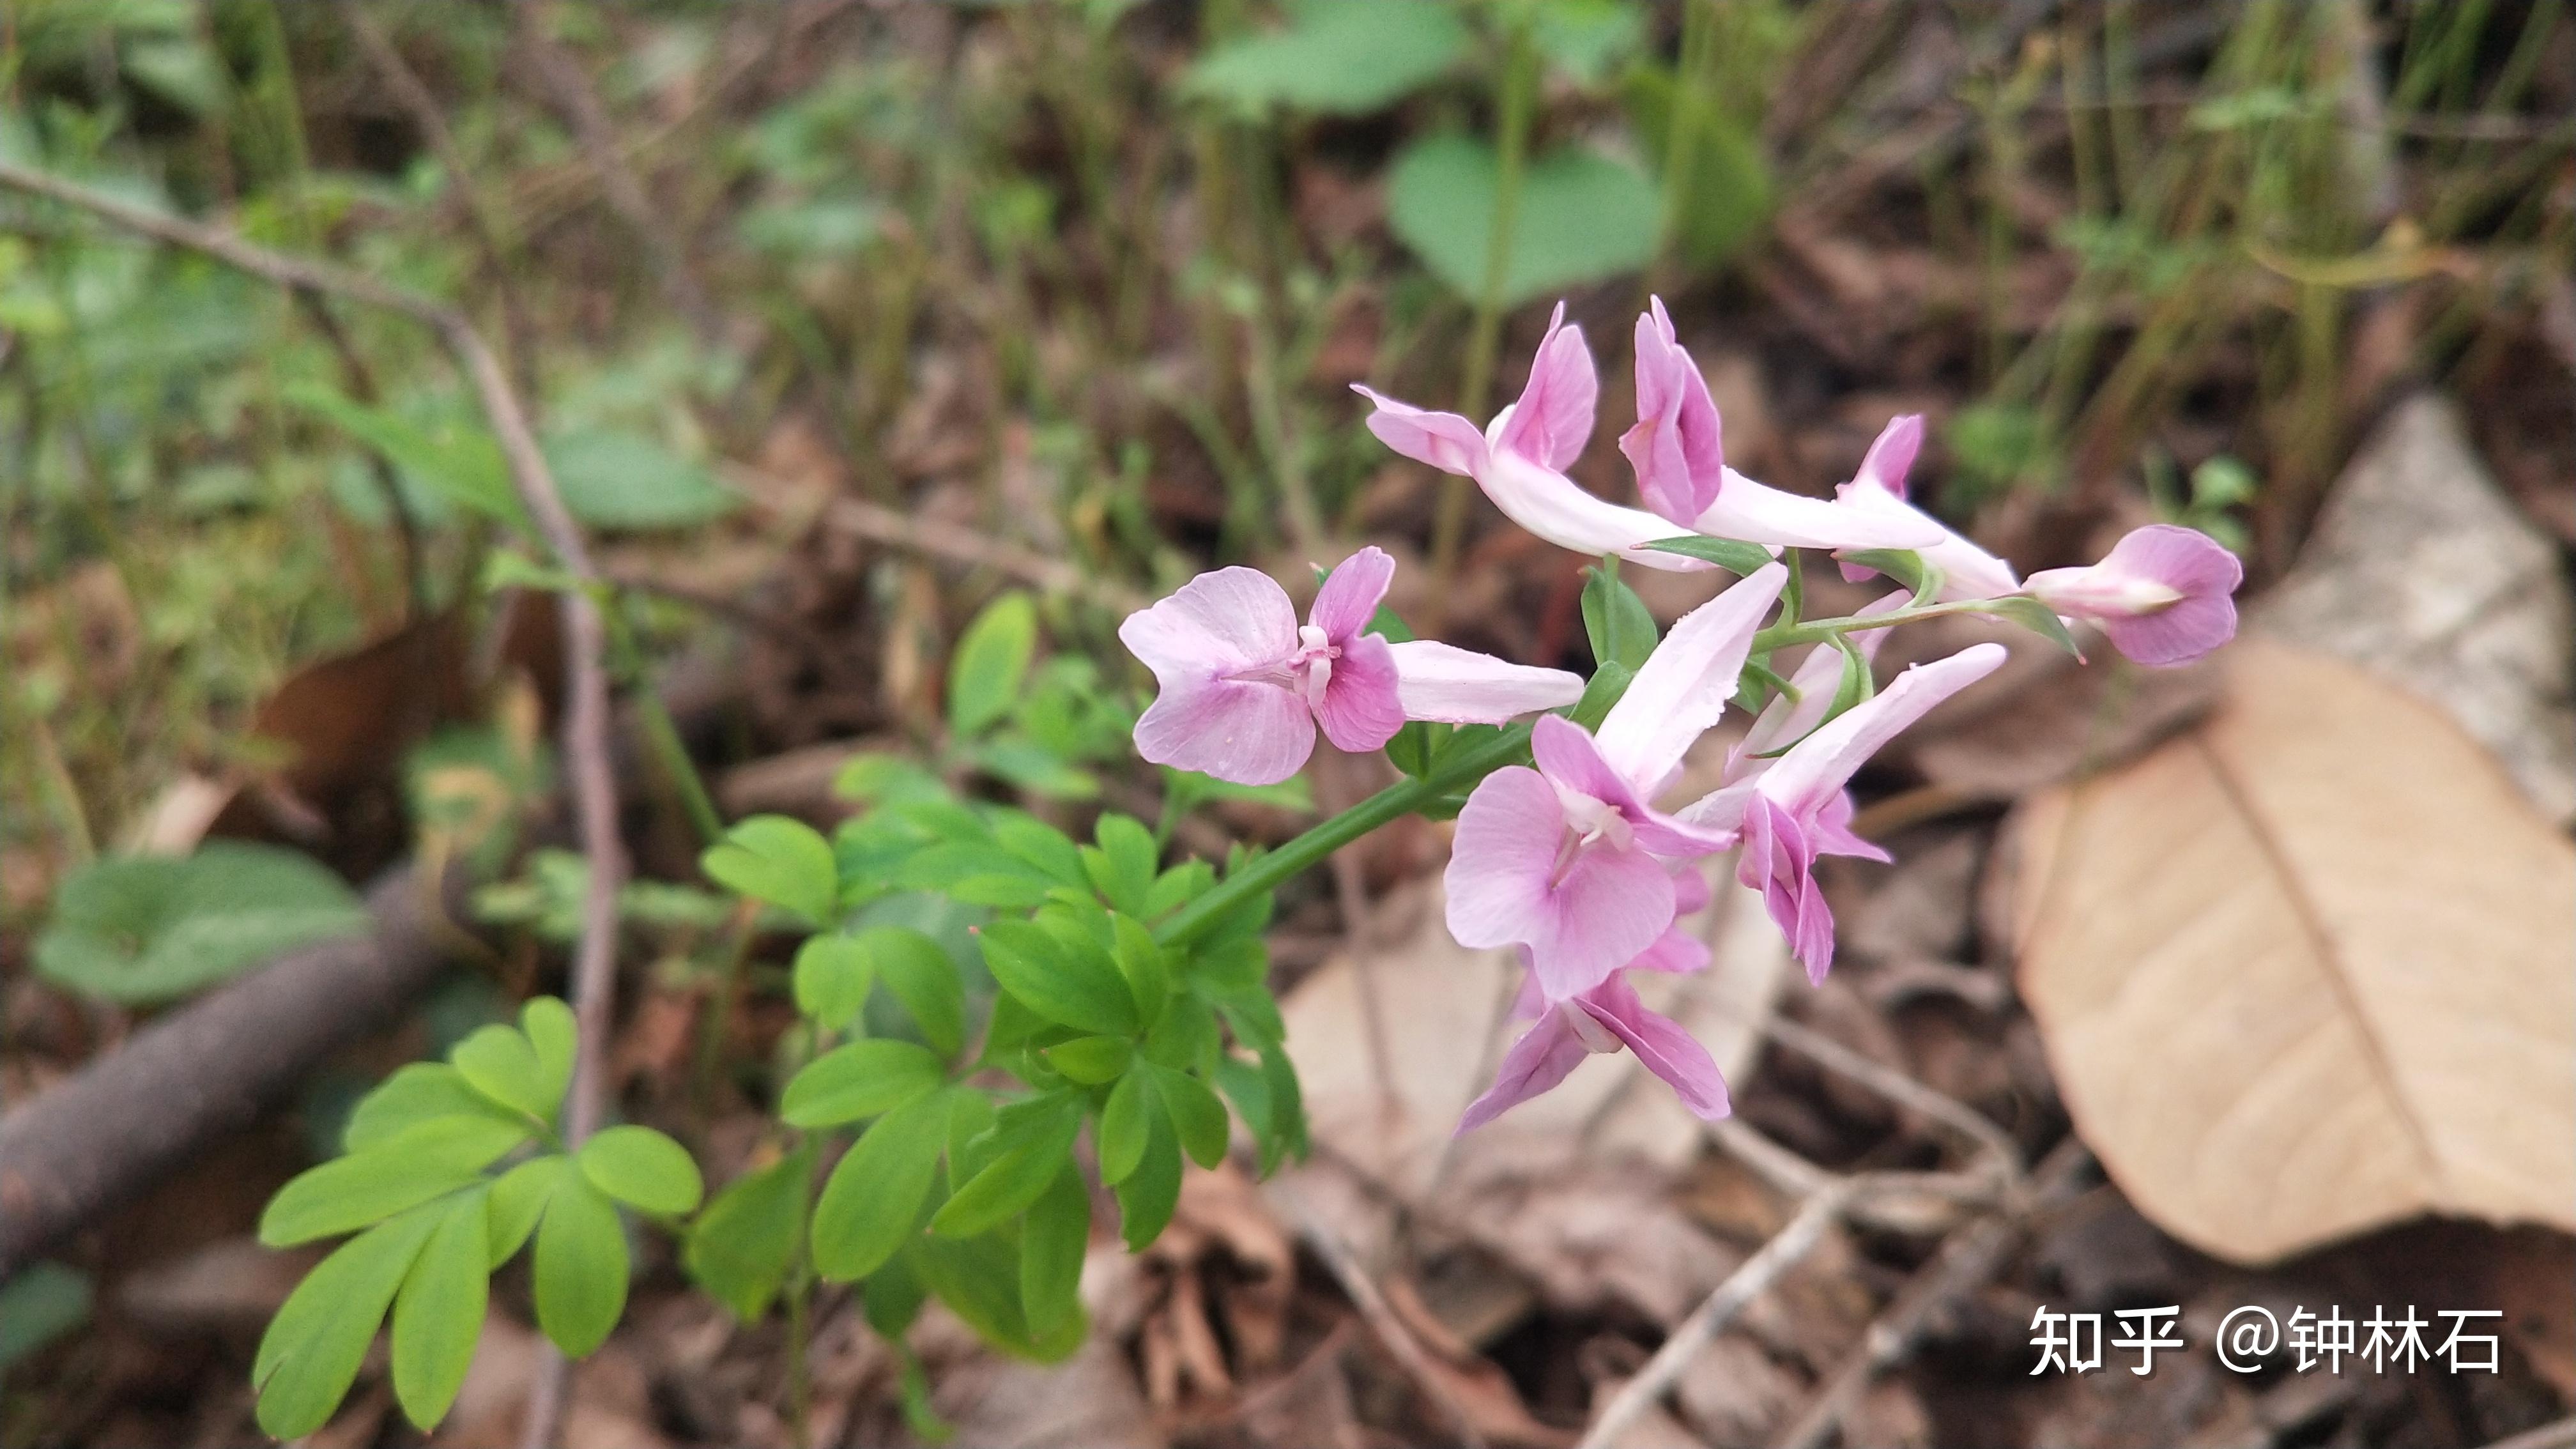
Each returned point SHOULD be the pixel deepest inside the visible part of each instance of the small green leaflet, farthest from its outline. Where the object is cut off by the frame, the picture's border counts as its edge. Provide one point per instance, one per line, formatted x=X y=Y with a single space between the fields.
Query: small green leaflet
x=580 y=1266
x=643 y=1169
x=1341 y=57
x=2035 y=616
x=991 y=662
x=741 y=1248
x=872 y=1201
x=1052 y=1242
x=782 y=861
x=1581 y=216
x=438 y=1316
x=1058 y=978
x=859 y=1080
x=1726 y=553
x=1615 y=621
x=311 y=1351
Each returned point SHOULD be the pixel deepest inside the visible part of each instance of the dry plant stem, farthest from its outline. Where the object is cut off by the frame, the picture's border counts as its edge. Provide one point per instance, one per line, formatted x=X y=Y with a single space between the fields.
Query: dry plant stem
x=421 y=105
x=943 y=540
x=1971 y=1257
x=1381 y=1319
x=617 y=181
x=586 y=713
x=1904 y=1091
x=1748 y=1282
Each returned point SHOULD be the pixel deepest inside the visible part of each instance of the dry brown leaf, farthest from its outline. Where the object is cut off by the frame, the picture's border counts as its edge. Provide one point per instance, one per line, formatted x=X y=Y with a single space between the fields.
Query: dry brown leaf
x=2305 y=971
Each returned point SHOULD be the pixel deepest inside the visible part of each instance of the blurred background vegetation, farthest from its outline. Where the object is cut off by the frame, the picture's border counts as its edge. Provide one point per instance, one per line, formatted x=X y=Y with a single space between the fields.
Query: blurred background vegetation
x=876 y=339
x=1090 y=278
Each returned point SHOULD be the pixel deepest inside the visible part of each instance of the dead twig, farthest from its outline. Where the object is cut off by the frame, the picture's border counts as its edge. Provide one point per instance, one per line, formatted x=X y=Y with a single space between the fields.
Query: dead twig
x=586 y=715
x=417 y=102
x=938 y=539
x=1381 y=1319
x=1971 y=1257
x=1785 y=1250
x=1905 y=1091
x=617 y=181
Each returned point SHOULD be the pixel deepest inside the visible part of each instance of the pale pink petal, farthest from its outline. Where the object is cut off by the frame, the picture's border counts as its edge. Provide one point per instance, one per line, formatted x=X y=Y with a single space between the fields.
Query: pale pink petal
x=1757 y=514
x=1668 y=1051
x=1677 y=446
x=1967 y=571
x=1676 y=952
x=1500 y=862
x=1571 y=760
x=1819 y=676
x=1442 y=682
x=1686 y=682
x=1891 y=456
x=1245 y=731
x=1815 y=769
x=1446 y=441
x=1832 y=833
x=1553 y=418
x=1610 y=906
x=1350 y=595
x=1722 y=808
x=1222 y=622
x=1361 y=710
x=2163 y=594
x=1690 y=889
x=1557 y=509
x=1779 y=860
x=1543 y=1057
x=2177 y=635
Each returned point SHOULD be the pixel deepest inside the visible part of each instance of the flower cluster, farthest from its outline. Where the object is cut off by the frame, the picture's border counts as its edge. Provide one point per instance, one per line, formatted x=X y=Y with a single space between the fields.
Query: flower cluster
x=1568 y=858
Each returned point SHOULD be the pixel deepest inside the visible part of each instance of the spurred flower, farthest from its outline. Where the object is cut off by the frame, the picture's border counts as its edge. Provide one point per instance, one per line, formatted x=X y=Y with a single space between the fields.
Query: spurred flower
x=1967 y=571
x=1606 y=1018
x=1678 y=449
x=1519 y=460
x=1243 y=685
x=2163 y=595
x=1569 y=859
x=1796 y=810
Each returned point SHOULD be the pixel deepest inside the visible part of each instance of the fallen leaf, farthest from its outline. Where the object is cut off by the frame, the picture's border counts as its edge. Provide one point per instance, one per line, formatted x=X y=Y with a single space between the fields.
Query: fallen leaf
x=2305 y=972
x=2421 y=570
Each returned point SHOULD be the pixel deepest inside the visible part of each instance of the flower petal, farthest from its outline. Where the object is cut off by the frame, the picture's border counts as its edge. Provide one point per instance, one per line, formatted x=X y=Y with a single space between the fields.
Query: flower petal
x=1218 y=623
x=1557 y=509
x=1361 y=709
x=1446 y=441
x=1497 y=880
x=1610 y=906
x=2175 y=635
x=1553 y=418
x=1677 y=446
x=1350 y=595
x=1967 y=571
x=1572 y=760
x=1543 y=1057
x=1757 y=514
x=1685 y=683
x=1441 y=682
x=1245 y=731
x=1891 y=456
x=1668 y=1051
x=1816 y=768
x=1779 y=860
x=2163 y=594
x=1676 y=952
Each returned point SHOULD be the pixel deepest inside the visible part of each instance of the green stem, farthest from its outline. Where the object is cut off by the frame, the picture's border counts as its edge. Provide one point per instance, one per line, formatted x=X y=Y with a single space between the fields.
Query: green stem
x=1512 y=125
x=800 y=1380
x=1401 y=798
x=661 y=733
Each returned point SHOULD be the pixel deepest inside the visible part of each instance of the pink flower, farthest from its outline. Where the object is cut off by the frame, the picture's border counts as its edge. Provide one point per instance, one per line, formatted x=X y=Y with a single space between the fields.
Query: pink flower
x=1569 y=859
x=1606 y=1018
x=1519 y=460
x=1244 y=685
x=2163 y=594
x=1678 y=451
x=1967 y=571
x=1787 y=718
x=1796 y=810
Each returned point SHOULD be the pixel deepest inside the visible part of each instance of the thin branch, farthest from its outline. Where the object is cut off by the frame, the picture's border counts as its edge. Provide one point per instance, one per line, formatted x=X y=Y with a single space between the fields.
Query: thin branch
x=586 y=717
x=617 y=181
x=942 y=540
x=1903 y=1090
x=1381 y=1319
x=417 y=101
x=1785 y=1250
